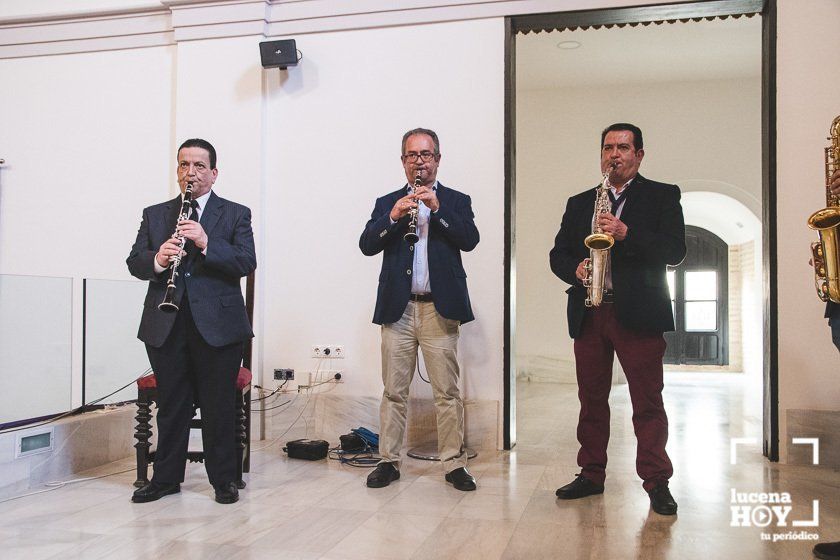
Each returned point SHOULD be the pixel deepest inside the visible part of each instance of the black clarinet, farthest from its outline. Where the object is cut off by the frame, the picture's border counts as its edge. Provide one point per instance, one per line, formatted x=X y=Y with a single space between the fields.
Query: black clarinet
x=411 y=235
x=168 y=304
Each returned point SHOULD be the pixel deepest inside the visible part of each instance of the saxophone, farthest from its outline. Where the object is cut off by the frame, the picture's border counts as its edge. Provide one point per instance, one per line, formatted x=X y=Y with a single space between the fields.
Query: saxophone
x=826 y=252
x=599 y=244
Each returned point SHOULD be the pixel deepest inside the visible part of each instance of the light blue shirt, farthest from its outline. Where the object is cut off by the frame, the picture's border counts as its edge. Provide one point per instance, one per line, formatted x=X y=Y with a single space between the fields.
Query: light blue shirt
x=420 y=275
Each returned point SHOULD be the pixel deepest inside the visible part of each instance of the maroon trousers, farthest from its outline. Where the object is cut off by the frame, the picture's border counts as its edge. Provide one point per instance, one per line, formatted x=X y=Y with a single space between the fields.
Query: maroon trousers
x=640 y=354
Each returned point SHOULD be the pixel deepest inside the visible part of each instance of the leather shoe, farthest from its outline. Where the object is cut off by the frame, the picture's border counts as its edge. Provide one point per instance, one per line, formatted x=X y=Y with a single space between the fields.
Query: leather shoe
x=827 y=550
x=154 y=491
x=226 y=493
x=661 y=500
x=461 y=479
x=580 y=487
x=383 y=475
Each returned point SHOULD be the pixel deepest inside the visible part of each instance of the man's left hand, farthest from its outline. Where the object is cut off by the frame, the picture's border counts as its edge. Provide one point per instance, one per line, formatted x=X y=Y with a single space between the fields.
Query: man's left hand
x=193 y=230
x=612 y=225
x=429 y=197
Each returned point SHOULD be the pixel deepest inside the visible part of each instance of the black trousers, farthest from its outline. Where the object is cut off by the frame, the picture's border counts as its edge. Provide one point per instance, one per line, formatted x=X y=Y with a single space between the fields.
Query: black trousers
x=188 y=371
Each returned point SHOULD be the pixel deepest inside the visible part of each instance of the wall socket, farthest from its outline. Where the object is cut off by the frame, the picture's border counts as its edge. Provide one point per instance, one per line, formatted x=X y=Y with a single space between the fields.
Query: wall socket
x=284 y=374
x=328 y=351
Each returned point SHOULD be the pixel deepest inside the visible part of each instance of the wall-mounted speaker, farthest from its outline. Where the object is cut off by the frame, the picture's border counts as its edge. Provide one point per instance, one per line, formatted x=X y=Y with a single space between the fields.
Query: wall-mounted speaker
x=278 y=54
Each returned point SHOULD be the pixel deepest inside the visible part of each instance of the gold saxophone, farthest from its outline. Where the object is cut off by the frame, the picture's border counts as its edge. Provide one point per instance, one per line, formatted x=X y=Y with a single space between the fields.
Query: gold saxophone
x=599 y=244
x=826 y=251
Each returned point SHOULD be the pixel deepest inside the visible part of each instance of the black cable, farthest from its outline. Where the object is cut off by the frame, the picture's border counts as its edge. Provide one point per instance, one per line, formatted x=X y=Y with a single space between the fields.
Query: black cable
x=277 y=390
x=77 y=409
x=271 y=408
x=420 y=373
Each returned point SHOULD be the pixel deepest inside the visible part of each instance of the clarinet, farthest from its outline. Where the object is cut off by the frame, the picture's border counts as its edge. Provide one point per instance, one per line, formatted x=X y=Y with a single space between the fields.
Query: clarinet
x=411 y=235
x=168 y=304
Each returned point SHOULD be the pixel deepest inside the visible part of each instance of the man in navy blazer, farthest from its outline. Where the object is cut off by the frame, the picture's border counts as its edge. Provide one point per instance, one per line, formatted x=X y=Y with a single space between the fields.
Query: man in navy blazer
x=196 y=351
x=646 y=222
x=421 y=301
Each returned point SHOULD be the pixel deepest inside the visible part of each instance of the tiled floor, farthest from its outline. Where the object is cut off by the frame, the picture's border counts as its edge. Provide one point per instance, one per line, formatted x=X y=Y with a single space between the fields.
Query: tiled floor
x=300 y=510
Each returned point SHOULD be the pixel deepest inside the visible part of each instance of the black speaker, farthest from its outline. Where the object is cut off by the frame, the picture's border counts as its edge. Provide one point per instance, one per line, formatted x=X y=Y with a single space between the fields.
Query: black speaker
x=278 y=54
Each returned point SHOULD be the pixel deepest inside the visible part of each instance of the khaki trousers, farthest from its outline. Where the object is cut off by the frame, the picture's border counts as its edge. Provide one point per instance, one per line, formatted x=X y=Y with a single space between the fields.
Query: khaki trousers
x=421 y=325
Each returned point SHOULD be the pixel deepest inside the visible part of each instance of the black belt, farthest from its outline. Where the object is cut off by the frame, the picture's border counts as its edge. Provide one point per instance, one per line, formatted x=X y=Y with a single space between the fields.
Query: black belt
x=420 y=297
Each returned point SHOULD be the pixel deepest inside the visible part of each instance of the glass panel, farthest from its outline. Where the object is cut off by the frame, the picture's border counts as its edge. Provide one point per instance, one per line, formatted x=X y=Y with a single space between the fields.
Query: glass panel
x=672 y=284
x=113 y=355
x=35 y=353
x=700 y=285
x=700 y=316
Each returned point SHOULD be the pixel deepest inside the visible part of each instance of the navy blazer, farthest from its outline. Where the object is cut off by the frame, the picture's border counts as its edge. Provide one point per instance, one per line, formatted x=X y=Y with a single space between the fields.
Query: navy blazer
x=655 y=238
x=451 y=230
x=211 y=281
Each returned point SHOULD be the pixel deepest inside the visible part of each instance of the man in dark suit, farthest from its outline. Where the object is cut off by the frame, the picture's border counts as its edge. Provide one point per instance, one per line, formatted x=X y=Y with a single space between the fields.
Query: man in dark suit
x=421 y=301
x=195 y=352
x=646 y=222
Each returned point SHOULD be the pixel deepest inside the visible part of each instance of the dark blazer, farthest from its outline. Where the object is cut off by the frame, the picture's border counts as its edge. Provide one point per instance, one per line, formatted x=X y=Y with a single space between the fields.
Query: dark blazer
x=211 y=281
x=451 y=230
x=655 y=238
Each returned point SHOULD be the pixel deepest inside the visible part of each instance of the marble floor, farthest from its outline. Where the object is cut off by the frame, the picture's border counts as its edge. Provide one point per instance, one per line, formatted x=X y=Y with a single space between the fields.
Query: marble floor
x=300 y=510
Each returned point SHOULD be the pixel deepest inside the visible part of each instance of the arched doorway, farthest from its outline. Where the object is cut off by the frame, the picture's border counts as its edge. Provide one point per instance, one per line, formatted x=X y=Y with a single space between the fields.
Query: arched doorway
x=699 y=288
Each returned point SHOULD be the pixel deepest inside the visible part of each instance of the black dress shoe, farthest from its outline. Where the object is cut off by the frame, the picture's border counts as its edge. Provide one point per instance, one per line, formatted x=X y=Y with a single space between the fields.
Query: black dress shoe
x=661 y=500
x=383 y=475
x=827 y=550
x=154 y=491
x=580 y=487
x=461 y=479
x=226 y=493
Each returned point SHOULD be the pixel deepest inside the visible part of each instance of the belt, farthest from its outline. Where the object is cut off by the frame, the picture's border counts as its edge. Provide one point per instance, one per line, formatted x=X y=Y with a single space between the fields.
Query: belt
x=608 y=297
x=421 y=297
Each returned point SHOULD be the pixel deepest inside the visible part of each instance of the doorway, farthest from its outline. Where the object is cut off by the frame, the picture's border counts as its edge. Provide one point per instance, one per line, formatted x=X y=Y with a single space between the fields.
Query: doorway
x=656 y=77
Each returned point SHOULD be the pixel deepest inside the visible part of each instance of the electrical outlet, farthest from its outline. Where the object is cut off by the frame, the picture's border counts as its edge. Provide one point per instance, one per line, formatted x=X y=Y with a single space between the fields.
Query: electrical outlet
x=284 y=374
x=317 y=351
x=338 y=351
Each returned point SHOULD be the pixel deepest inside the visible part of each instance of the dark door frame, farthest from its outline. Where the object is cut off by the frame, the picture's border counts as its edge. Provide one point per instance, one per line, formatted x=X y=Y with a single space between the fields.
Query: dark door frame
x=644 y=15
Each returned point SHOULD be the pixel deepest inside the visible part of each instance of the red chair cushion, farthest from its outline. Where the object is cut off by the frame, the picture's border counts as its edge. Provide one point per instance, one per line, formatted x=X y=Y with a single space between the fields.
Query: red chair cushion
x=243 y=379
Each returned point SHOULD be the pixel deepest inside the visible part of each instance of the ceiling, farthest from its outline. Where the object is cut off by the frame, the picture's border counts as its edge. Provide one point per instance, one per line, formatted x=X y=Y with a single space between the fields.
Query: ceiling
x=692 y=51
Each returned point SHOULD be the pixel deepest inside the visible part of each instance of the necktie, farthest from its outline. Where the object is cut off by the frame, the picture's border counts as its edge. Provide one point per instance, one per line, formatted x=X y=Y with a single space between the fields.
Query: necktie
x=194 y=213
x=616 y=201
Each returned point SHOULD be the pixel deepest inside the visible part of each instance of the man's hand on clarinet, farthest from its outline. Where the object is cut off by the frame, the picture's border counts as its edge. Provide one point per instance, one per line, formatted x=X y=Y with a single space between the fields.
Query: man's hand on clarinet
x=167 y=252
x=403 y=206
x=193 y=230
x=429 y=197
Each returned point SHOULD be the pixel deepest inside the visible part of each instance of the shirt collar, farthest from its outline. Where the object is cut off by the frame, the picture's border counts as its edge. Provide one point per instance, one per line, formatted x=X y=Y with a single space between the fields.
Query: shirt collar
x=615 y=189
x=201 y=200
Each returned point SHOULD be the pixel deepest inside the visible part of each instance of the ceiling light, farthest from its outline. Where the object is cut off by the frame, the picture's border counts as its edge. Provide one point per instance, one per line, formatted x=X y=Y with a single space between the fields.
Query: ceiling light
x=568 y=45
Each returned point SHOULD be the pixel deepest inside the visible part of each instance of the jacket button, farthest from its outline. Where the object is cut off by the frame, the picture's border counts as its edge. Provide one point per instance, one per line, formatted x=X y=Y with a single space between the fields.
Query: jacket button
x=188 y=274
x=411 y=247
x=408 y=272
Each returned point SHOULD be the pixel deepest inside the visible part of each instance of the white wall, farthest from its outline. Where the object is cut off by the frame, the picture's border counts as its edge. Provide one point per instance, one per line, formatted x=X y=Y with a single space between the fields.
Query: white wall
x=86 y=139
x=699 y=135
x=335 y=125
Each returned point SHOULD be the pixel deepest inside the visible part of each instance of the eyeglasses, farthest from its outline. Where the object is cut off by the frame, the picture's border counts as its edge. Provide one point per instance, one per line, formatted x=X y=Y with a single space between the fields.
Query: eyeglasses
x=425 y=156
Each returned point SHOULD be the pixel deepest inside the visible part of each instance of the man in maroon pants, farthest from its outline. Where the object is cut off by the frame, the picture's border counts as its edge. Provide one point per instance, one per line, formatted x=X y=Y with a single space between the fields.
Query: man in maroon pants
x=646 y=223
